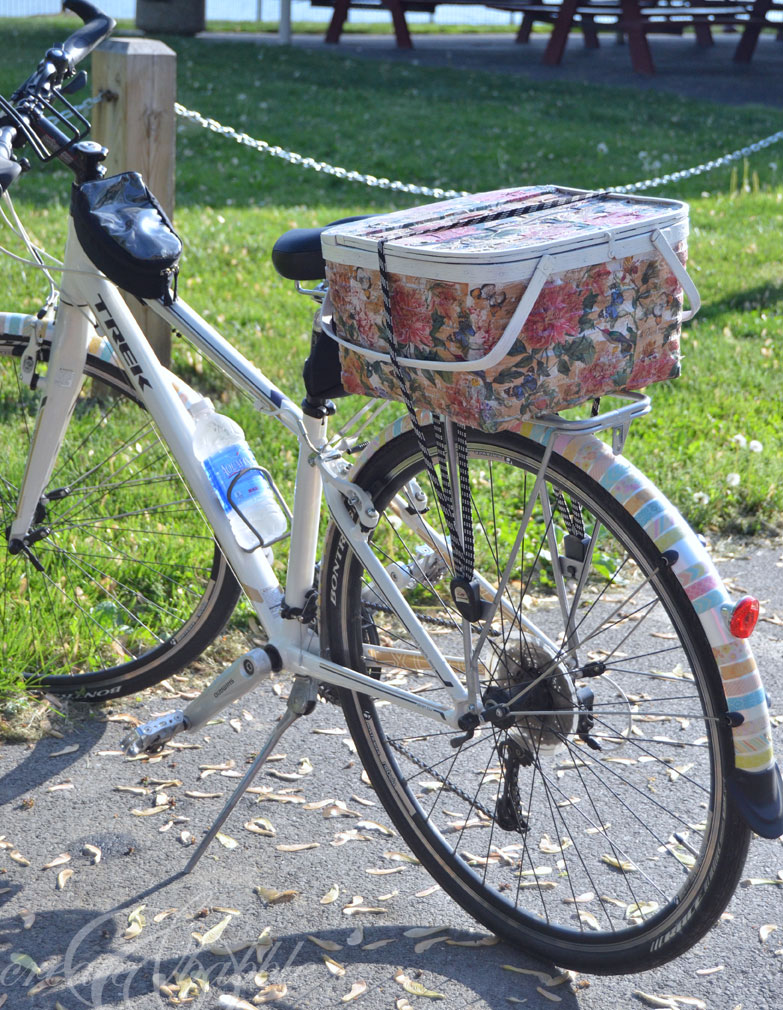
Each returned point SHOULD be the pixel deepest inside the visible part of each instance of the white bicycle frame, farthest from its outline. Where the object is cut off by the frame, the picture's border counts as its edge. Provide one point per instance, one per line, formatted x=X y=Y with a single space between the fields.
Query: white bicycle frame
x=89 y=301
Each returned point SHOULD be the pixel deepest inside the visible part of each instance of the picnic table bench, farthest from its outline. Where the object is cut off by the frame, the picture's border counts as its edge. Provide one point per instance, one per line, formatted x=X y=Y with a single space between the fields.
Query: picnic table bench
x=634 y=19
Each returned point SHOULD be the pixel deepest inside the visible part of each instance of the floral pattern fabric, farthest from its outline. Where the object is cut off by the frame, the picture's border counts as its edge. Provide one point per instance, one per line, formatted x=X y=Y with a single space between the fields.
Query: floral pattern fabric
x=594 y=330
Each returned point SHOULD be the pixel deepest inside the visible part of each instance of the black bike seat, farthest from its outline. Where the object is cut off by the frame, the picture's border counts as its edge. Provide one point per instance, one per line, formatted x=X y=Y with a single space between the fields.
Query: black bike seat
x=297 y=253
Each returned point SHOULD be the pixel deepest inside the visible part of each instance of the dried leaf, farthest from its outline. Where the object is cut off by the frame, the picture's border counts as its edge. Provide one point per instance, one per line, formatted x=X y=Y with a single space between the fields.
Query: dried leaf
x=284 y=776
x=17 y=857
x=549 y=995
x=227 y=1002
x=356 y=937
x=427 y=891
x=415 y=988
x=60 y=787
x=150 y=811
x=542 y=976
x=423 y=945
x=27 y=917
x=274 y=897
x=298 y=847
x=376 y=944
x=756 y=881
x=66 y=750
x=64 y=857
x=271 y=993
x=618 y=864
x=547 y=845
x=419 y=931
x=224 y=767
x=331 y=895
x=325 y=944
x=402 y=857
x=375 y=826
x=765 y=931
x=213 y=935
x=356 y=991
x=165 y=914
x=260 y=826
x=653 y=1000
x=484 y=941
x=194 y=794
x=44 y=984
x=639 y=910
x=94 y=851
x=580 y=898
x=352 y=835
x=588 y=919
x=63 y=877
x=136 y=922
x=711 y=971
x=136 y=790
x=375 y=872
x=266 y=797
x=226 y=840
x=339 y=809
x=25 y=961
x=334 y=967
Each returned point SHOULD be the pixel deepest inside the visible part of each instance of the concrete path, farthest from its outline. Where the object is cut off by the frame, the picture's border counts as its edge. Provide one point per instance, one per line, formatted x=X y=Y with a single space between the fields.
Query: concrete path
x=61 y=795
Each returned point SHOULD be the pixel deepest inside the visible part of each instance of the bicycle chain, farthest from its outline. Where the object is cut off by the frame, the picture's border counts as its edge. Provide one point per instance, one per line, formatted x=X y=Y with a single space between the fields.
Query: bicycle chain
x=470 y=800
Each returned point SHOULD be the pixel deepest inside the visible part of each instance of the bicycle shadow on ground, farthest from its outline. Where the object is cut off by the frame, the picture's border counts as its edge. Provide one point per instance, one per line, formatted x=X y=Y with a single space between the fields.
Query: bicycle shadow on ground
x=92 y=958
x=50 y=758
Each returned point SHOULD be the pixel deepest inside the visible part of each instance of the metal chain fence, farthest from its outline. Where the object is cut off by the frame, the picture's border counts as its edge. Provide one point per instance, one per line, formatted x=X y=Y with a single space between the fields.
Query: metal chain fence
x=274 y=151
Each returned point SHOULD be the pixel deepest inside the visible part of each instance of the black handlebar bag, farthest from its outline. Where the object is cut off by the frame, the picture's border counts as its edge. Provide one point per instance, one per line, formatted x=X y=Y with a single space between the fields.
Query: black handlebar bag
x=127 y=234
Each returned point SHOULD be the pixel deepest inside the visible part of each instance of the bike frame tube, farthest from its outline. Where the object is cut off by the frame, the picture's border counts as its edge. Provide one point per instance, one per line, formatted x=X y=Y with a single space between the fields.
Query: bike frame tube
x=63 y=384
x=89 y=300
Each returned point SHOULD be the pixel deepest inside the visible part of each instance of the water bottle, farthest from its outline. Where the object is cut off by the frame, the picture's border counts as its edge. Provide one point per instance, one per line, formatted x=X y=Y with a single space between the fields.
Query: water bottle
x=220 y=446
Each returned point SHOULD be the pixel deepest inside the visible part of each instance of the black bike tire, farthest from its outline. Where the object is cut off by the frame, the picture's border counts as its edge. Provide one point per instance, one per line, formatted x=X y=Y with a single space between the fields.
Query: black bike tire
x=184 y=644
x=697 y=911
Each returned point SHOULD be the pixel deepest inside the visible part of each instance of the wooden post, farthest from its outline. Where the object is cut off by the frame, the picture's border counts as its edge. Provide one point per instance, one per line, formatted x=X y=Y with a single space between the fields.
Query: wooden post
x=139 y=128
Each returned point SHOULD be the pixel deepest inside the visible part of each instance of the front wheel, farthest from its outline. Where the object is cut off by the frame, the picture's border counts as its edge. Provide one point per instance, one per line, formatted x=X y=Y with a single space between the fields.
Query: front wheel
x=123 y=583
x=592 y=824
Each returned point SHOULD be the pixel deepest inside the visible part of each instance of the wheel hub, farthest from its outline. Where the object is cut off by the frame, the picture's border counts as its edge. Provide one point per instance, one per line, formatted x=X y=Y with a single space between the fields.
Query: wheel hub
x=518 y=666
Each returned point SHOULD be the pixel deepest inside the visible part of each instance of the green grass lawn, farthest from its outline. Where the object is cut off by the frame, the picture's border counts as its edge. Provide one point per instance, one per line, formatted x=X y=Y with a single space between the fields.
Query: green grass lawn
x=443 y=127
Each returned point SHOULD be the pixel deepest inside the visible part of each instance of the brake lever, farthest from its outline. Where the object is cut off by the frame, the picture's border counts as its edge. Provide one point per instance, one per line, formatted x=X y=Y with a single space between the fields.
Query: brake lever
x=76 y=84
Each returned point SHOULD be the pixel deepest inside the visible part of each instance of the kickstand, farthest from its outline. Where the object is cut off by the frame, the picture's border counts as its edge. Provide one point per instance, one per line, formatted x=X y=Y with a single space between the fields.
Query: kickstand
x=301 y=701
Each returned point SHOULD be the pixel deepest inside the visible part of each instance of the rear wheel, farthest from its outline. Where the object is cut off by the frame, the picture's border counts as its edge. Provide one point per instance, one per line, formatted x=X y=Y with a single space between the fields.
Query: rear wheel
x=592 y=824
x=125 y=584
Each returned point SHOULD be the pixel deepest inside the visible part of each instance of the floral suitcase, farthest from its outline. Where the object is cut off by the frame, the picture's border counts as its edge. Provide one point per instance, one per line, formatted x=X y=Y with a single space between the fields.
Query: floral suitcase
x=513 y=303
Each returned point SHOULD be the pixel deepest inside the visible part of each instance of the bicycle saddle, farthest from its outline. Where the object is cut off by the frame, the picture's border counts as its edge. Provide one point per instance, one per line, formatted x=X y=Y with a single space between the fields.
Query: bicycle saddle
x=297 y=253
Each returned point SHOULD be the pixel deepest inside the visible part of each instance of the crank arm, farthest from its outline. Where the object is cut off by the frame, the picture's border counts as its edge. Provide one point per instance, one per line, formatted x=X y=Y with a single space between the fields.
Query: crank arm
x=235 y=681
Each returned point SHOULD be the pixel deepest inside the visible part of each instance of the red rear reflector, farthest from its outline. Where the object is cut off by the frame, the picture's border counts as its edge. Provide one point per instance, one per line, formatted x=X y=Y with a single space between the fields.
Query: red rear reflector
x=744 y=617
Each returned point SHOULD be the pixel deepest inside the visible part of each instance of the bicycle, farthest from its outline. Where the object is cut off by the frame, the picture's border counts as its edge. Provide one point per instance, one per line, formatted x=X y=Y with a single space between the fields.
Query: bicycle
x=521 y=719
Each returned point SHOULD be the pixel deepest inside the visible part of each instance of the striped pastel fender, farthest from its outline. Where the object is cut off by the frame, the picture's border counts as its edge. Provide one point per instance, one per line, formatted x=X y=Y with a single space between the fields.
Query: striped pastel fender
x=694 y=570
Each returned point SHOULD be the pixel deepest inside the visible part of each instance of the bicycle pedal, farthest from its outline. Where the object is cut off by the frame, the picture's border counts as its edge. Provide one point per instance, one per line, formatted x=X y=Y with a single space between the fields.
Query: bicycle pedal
x=152 y=735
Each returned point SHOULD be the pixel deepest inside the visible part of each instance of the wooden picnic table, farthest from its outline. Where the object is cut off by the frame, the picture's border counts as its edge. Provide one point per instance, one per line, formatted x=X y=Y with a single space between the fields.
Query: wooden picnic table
x=636 y=19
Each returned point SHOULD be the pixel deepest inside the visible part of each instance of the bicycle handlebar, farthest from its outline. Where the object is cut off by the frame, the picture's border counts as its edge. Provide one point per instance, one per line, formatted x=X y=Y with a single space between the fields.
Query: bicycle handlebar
x=24 y=113
x=97 y=26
